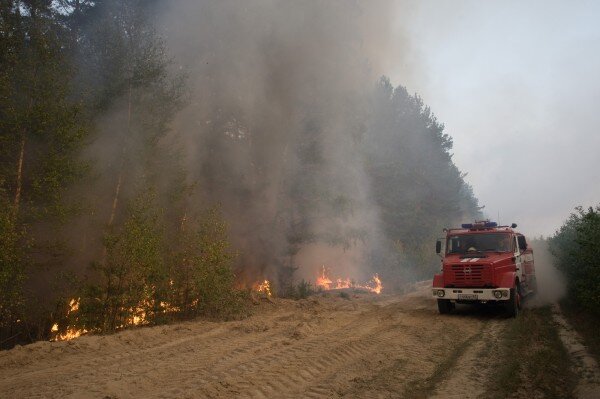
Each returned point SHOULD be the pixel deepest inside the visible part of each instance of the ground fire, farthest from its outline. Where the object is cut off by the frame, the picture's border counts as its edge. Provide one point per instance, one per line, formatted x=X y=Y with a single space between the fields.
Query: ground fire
x=263 y=288
x=138 y=317
x=70 y=332
x=324 y=282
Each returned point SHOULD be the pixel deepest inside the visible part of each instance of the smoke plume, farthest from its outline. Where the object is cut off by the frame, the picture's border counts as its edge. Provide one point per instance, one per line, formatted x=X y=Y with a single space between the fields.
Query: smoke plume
x=278 y=102
x=551 y=283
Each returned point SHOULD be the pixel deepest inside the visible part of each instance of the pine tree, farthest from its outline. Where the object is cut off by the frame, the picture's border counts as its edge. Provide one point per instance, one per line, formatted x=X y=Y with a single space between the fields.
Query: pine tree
x=41 y=132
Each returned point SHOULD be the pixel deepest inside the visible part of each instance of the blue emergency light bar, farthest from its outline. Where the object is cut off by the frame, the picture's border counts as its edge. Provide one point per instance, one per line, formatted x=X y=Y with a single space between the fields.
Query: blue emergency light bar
x=481 y=225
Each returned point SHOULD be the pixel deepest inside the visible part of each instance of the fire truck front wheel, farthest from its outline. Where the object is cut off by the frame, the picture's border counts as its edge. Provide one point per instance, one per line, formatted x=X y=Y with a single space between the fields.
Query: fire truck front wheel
x=445 y=306
x=514 y=303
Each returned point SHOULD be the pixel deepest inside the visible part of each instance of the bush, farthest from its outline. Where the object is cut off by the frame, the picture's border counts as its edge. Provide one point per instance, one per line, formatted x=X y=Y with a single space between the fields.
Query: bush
x=576 y=246
x=304 y=289
x=149 y=278
x=202 y=277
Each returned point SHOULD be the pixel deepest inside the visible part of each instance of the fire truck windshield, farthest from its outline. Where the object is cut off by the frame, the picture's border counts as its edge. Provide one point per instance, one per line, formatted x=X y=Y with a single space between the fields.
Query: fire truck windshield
x=493 y=242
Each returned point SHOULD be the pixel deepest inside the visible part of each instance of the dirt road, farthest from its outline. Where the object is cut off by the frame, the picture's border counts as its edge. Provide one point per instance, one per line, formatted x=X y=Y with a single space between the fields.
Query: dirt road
x=322 y=347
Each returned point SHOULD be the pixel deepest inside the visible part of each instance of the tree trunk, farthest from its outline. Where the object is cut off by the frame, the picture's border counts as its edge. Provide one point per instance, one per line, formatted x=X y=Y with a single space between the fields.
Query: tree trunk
x=113 y=317
x=121 y=169
x=106 y=309
x=113 y=211
x=17 y=202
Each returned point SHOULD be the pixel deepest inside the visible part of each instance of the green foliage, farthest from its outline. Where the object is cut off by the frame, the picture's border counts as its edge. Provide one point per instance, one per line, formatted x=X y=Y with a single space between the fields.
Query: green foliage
x=41 y=133
x=13 y=263
x=40 y=126
x=148 y=279
x=134 y=274
x=576 y=246
x=157 y=265
x=304 y=289
x=295 y=290
x=203 y=281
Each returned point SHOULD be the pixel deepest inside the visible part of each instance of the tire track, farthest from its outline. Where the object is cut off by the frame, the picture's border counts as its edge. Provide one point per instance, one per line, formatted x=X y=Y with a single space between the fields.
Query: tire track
x=471 y=371
x=322 y=347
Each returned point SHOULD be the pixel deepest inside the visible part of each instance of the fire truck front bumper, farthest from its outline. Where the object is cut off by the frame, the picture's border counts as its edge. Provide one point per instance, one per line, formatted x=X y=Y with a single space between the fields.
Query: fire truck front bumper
x=472 y=294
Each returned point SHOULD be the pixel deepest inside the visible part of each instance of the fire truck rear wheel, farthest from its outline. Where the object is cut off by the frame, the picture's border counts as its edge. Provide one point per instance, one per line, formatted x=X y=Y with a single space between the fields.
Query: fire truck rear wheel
x=445 y=306
x=514 y=303
x=534 y=286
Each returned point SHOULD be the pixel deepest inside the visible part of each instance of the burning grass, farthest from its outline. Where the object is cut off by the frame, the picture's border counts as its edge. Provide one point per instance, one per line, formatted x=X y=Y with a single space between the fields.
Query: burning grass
x=74 y=320
x=326 y=283
x=70 y=332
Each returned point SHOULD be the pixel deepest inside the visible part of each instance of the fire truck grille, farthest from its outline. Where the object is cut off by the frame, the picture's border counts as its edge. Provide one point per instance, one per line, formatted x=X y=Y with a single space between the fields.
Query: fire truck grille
x=471 y=275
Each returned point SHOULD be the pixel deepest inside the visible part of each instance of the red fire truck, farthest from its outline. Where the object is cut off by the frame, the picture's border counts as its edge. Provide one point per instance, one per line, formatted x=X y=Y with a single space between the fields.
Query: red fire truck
x=484 y=263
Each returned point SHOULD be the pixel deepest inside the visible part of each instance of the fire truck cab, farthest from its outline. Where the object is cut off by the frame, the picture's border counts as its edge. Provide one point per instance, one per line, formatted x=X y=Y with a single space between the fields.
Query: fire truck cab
x=484 y=263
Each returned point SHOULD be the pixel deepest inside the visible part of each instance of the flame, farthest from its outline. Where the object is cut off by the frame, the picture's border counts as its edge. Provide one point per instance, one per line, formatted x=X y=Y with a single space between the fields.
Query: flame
x=137 y=317
x=170 y=308
x=343 y=283
x=377 y=284
x=323 y=281
x=138 y=314
x=71 y=332
x=74 y=305
x=264 y=288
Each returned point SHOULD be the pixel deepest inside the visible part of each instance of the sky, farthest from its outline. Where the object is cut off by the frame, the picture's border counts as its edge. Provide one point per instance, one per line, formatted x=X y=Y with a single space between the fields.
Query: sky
x=517 y=86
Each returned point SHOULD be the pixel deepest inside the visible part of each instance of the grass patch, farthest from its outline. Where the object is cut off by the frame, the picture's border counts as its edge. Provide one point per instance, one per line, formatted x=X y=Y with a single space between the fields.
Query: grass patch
x=344 y=295
x=533 y=360
x=585 y=323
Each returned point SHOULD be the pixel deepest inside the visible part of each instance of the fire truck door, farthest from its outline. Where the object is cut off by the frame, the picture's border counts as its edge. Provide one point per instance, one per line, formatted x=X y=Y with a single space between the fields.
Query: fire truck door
x=519 y=262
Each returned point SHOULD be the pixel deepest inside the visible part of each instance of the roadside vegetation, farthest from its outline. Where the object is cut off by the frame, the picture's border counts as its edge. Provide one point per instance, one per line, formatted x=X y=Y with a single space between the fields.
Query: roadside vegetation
x=576 y=248
x=98 y=231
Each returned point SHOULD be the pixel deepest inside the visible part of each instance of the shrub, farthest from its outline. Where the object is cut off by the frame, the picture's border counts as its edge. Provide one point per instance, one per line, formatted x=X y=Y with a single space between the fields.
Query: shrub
x=576 y=246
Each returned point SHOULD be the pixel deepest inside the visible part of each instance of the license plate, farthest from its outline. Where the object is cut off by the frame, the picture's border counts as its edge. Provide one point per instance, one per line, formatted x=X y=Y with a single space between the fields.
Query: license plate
x=467 y=297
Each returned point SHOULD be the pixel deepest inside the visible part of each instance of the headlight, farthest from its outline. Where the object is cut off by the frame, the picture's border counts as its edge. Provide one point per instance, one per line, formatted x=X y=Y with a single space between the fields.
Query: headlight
x=505 y=294
x=441 y=293
x=497 y=294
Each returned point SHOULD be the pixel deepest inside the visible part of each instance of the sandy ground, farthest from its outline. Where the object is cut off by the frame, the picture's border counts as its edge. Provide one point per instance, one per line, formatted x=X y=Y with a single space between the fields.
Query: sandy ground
x=323 y=347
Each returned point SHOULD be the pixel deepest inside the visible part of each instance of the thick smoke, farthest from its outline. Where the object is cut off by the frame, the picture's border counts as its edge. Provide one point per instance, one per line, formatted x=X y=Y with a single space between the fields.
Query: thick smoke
x=551 y=283
x=278 y=103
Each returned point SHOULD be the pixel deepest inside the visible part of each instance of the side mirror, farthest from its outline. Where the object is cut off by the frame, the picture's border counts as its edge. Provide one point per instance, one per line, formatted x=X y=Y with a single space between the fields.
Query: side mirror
x=438 y=246
x=514 y=225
